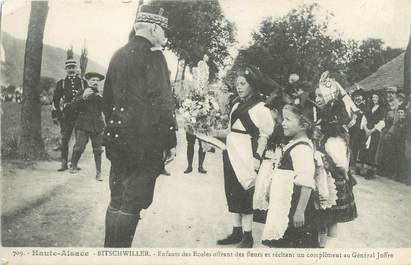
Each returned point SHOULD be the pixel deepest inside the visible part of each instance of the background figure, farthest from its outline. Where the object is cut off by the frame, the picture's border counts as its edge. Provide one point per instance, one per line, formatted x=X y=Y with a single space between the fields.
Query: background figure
x=66 y=90
x=90 y=123
x=355 y=131
x=400 y=136
x=372 y=124
x=191 y=139
x=140 y=135
x=387 y=155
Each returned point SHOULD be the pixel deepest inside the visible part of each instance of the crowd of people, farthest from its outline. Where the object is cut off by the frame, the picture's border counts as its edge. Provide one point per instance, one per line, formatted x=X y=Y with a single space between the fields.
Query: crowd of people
x=380 y=134
x=289 y=153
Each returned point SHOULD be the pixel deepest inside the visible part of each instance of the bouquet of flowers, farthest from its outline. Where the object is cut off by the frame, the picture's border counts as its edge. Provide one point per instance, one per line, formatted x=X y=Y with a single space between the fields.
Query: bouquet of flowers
x=200 y=113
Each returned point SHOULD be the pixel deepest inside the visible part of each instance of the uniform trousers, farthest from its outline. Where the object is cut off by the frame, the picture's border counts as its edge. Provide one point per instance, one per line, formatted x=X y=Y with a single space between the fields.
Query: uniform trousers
x=82 y=138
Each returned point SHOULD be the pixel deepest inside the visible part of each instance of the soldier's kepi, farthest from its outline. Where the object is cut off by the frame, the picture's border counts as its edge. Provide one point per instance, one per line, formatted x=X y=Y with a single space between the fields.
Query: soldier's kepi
x=140 y=134
x=63 y=113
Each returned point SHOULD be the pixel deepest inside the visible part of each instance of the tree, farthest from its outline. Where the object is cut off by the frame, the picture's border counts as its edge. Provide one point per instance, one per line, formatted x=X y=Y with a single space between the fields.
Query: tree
x=367 y=57
x=197 y=28
x=298 y=42
x=30 y=143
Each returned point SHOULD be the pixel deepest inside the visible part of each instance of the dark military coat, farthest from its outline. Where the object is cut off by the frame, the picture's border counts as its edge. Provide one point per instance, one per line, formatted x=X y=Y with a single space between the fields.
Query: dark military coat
x=138 y=105
x=90 y=113
x=64 y=93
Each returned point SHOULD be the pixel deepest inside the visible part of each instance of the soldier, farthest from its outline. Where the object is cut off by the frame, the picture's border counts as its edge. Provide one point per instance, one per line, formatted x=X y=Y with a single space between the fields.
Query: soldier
x=65 y=115
x=89 y=123
x=140 y=135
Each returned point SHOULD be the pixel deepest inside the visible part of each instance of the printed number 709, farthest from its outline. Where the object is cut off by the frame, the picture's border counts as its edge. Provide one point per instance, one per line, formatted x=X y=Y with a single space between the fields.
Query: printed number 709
x=17 y=253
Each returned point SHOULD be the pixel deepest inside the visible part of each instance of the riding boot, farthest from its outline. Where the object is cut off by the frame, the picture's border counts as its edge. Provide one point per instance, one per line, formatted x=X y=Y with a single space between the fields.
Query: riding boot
x=125 y=229
x=201 y=157
x=111 y=216
x=75 y=157
x=63 y=165
x=97 y=160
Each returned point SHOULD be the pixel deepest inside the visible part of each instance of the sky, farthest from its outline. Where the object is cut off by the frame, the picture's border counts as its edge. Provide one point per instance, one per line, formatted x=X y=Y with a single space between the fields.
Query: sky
x=104 y=24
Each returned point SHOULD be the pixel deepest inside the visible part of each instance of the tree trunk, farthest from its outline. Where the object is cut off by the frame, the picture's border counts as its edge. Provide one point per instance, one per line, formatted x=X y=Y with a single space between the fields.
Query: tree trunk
x=177 y=70
x=184 y=70
x=407 y=68
x=31 y=144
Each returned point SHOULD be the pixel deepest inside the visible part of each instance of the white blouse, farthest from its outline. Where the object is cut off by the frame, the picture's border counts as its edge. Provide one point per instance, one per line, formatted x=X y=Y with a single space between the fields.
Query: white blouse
x=302 y=157
x=261 y=117
x=336 y=148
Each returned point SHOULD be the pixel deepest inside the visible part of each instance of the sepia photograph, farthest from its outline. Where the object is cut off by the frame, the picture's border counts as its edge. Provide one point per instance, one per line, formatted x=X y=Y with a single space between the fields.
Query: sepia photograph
x=173 y=131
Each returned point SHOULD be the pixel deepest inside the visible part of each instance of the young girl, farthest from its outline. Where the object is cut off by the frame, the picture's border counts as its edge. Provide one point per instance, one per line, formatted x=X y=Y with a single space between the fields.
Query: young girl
x=250 y=126
x=334 y=144
x=291 y=207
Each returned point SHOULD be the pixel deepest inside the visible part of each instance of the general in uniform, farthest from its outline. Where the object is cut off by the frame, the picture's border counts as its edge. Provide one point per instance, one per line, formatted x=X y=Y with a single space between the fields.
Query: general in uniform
x=140 y=134
x=89 y=123
x=66 y=90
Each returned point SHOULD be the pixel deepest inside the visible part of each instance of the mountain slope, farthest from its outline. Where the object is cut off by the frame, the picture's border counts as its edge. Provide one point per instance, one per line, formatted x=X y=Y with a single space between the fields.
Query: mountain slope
x=52 y=63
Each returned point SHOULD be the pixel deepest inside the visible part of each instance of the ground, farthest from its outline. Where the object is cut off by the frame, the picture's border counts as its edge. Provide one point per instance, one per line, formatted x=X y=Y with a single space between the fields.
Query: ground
x=42 y=208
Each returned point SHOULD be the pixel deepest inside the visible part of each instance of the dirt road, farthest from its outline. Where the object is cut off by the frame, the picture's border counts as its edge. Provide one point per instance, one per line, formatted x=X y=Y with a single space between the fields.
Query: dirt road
x=44 y=208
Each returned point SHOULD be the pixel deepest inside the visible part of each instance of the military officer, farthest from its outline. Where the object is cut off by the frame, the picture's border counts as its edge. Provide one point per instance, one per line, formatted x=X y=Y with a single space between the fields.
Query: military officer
x=62 y=112
x=89 y=123
x=140 y=134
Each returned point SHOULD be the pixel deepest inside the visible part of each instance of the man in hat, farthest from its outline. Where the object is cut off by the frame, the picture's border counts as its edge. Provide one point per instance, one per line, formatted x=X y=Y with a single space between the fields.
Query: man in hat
x=140 y=135
x=354 y=127
x=62 y=112
x=89 y=123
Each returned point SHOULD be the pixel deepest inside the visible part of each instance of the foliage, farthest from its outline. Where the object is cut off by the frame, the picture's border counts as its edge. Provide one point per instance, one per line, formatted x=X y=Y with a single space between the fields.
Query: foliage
x=197 y=28
x=302 y=42
x=367 y=57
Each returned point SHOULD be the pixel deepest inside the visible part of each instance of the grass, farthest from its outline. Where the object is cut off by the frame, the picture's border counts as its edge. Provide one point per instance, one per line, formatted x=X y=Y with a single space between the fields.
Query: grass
x=10 y=120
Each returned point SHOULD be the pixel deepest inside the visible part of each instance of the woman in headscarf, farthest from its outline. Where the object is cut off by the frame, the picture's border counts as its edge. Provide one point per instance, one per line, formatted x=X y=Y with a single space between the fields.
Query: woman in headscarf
x=333 y=117
x=250 y=126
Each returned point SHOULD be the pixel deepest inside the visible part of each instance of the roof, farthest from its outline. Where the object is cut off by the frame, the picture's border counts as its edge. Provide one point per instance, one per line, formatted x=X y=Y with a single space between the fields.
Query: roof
x=389 y=74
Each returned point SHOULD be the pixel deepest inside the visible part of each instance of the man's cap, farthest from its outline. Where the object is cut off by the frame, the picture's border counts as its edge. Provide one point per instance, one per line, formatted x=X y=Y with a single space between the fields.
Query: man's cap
x=392 y=89
x=401 y=95
x=358 y=92
x=152 y=14
x=70 y=62
x=93 y=74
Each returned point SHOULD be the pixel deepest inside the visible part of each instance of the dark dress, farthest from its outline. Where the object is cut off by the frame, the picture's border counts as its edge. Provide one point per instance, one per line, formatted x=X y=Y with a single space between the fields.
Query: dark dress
x=240 y=200
x=303 y=237
x=345 y=209
x=368 y=154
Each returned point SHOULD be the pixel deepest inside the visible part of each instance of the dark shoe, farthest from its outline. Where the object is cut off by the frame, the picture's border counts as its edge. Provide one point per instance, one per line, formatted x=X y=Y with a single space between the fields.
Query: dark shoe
x=369 y=175
x=74 y=169
x=125 y=229
x=98 y=176
x=188 y=170
x=247 y=241
x=202 y=170
x=111 y=217
x=63 y=166
x=235 y=237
